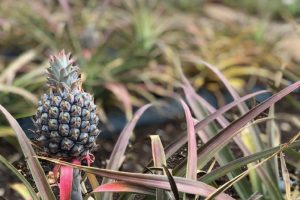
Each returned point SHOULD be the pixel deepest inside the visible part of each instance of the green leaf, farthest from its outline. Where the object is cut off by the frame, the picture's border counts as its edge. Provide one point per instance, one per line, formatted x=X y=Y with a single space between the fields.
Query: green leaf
x=208 y=150
x=285 y=176
x=172 y=148
x=20 y=176
x=240 y=162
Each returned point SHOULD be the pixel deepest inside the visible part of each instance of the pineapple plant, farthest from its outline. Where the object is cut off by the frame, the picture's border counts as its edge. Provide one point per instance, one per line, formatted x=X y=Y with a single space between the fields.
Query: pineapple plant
x=66 y=121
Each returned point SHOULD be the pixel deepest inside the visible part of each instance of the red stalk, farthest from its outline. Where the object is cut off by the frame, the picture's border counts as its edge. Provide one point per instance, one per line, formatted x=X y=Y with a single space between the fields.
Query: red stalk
x=66 y=180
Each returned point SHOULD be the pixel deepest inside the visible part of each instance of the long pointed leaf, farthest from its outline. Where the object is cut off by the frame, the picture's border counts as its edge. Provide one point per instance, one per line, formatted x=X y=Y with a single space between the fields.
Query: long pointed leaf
x=173 y=185
x=285 y=176
x=148 y=180
x=215 y=70
x=171 y=149
x=94 y=184
x=158 y=153
x=19 y=91
x=208 y=150
x=121 y=144
x=33 y=163
x=122 y=186
x=254 y=131
x=20 y=176
x=191 y=172
x=159 y=160
x=240 y=176
x=240 y=162
x=65 y=184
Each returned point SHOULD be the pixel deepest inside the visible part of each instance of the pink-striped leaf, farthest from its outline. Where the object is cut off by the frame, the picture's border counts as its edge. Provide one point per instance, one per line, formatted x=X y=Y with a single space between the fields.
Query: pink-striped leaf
x=215 y=70
x=150 y=180
x=191 y=172
x=122 y=186
x=171 y=149
x=121 y=144
x=33 y=163
x=66 y=180
x=158 y=153
x=209 y=149
x=65 y=185
x=159 y=160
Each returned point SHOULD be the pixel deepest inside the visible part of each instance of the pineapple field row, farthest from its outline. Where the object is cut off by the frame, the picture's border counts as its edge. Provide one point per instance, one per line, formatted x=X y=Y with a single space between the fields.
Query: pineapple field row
x=148 y=99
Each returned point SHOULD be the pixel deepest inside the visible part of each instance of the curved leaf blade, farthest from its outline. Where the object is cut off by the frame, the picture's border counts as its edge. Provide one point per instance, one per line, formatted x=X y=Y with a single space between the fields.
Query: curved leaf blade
x=208 y=150
x=122 y=186
x=191 y=171
x=171 y=149
x=148 y=180
x=30 y=156
x=20 y=176
x=240 y=162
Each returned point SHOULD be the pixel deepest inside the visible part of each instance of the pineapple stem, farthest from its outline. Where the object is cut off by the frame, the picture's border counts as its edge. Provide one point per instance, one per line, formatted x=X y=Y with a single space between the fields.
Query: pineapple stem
x=76 y=187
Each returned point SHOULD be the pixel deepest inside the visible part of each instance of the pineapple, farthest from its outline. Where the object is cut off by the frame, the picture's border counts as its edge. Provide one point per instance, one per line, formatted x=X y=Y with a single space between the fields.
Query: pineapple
x=66 y=120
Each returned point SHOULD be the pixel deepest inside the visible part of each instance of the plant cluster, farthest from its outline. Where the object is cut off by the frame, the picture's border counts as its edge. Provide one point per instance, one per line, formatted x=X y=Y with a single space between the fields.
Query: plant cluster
x=141 y=51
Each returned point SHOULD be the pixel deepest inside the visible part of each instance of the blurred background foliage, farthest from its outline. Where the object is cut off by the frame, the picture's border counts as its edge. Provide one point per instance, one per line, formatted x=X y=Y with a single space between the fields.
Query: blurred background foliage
x=126 y=48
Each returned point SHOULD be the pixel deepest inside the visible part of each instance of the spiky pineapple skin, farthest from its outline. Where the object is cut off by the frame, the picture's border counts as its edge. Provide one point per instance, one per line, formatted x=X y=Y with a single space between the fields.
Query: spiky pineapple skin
x=67 y=124
x=66 y=121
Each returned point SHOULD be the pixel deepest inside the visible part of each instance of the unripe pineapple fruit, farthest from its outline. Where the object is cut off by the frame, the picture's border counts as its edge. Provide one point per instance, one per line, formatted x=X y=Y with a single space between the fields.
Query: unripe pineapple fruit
x=66 y=119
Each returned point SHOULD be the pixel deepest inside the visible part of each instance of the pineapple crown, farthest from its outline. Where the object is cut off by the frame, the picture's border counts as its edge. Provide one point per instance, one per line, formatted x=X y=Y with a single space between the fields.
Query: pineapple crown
x=63 y=74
